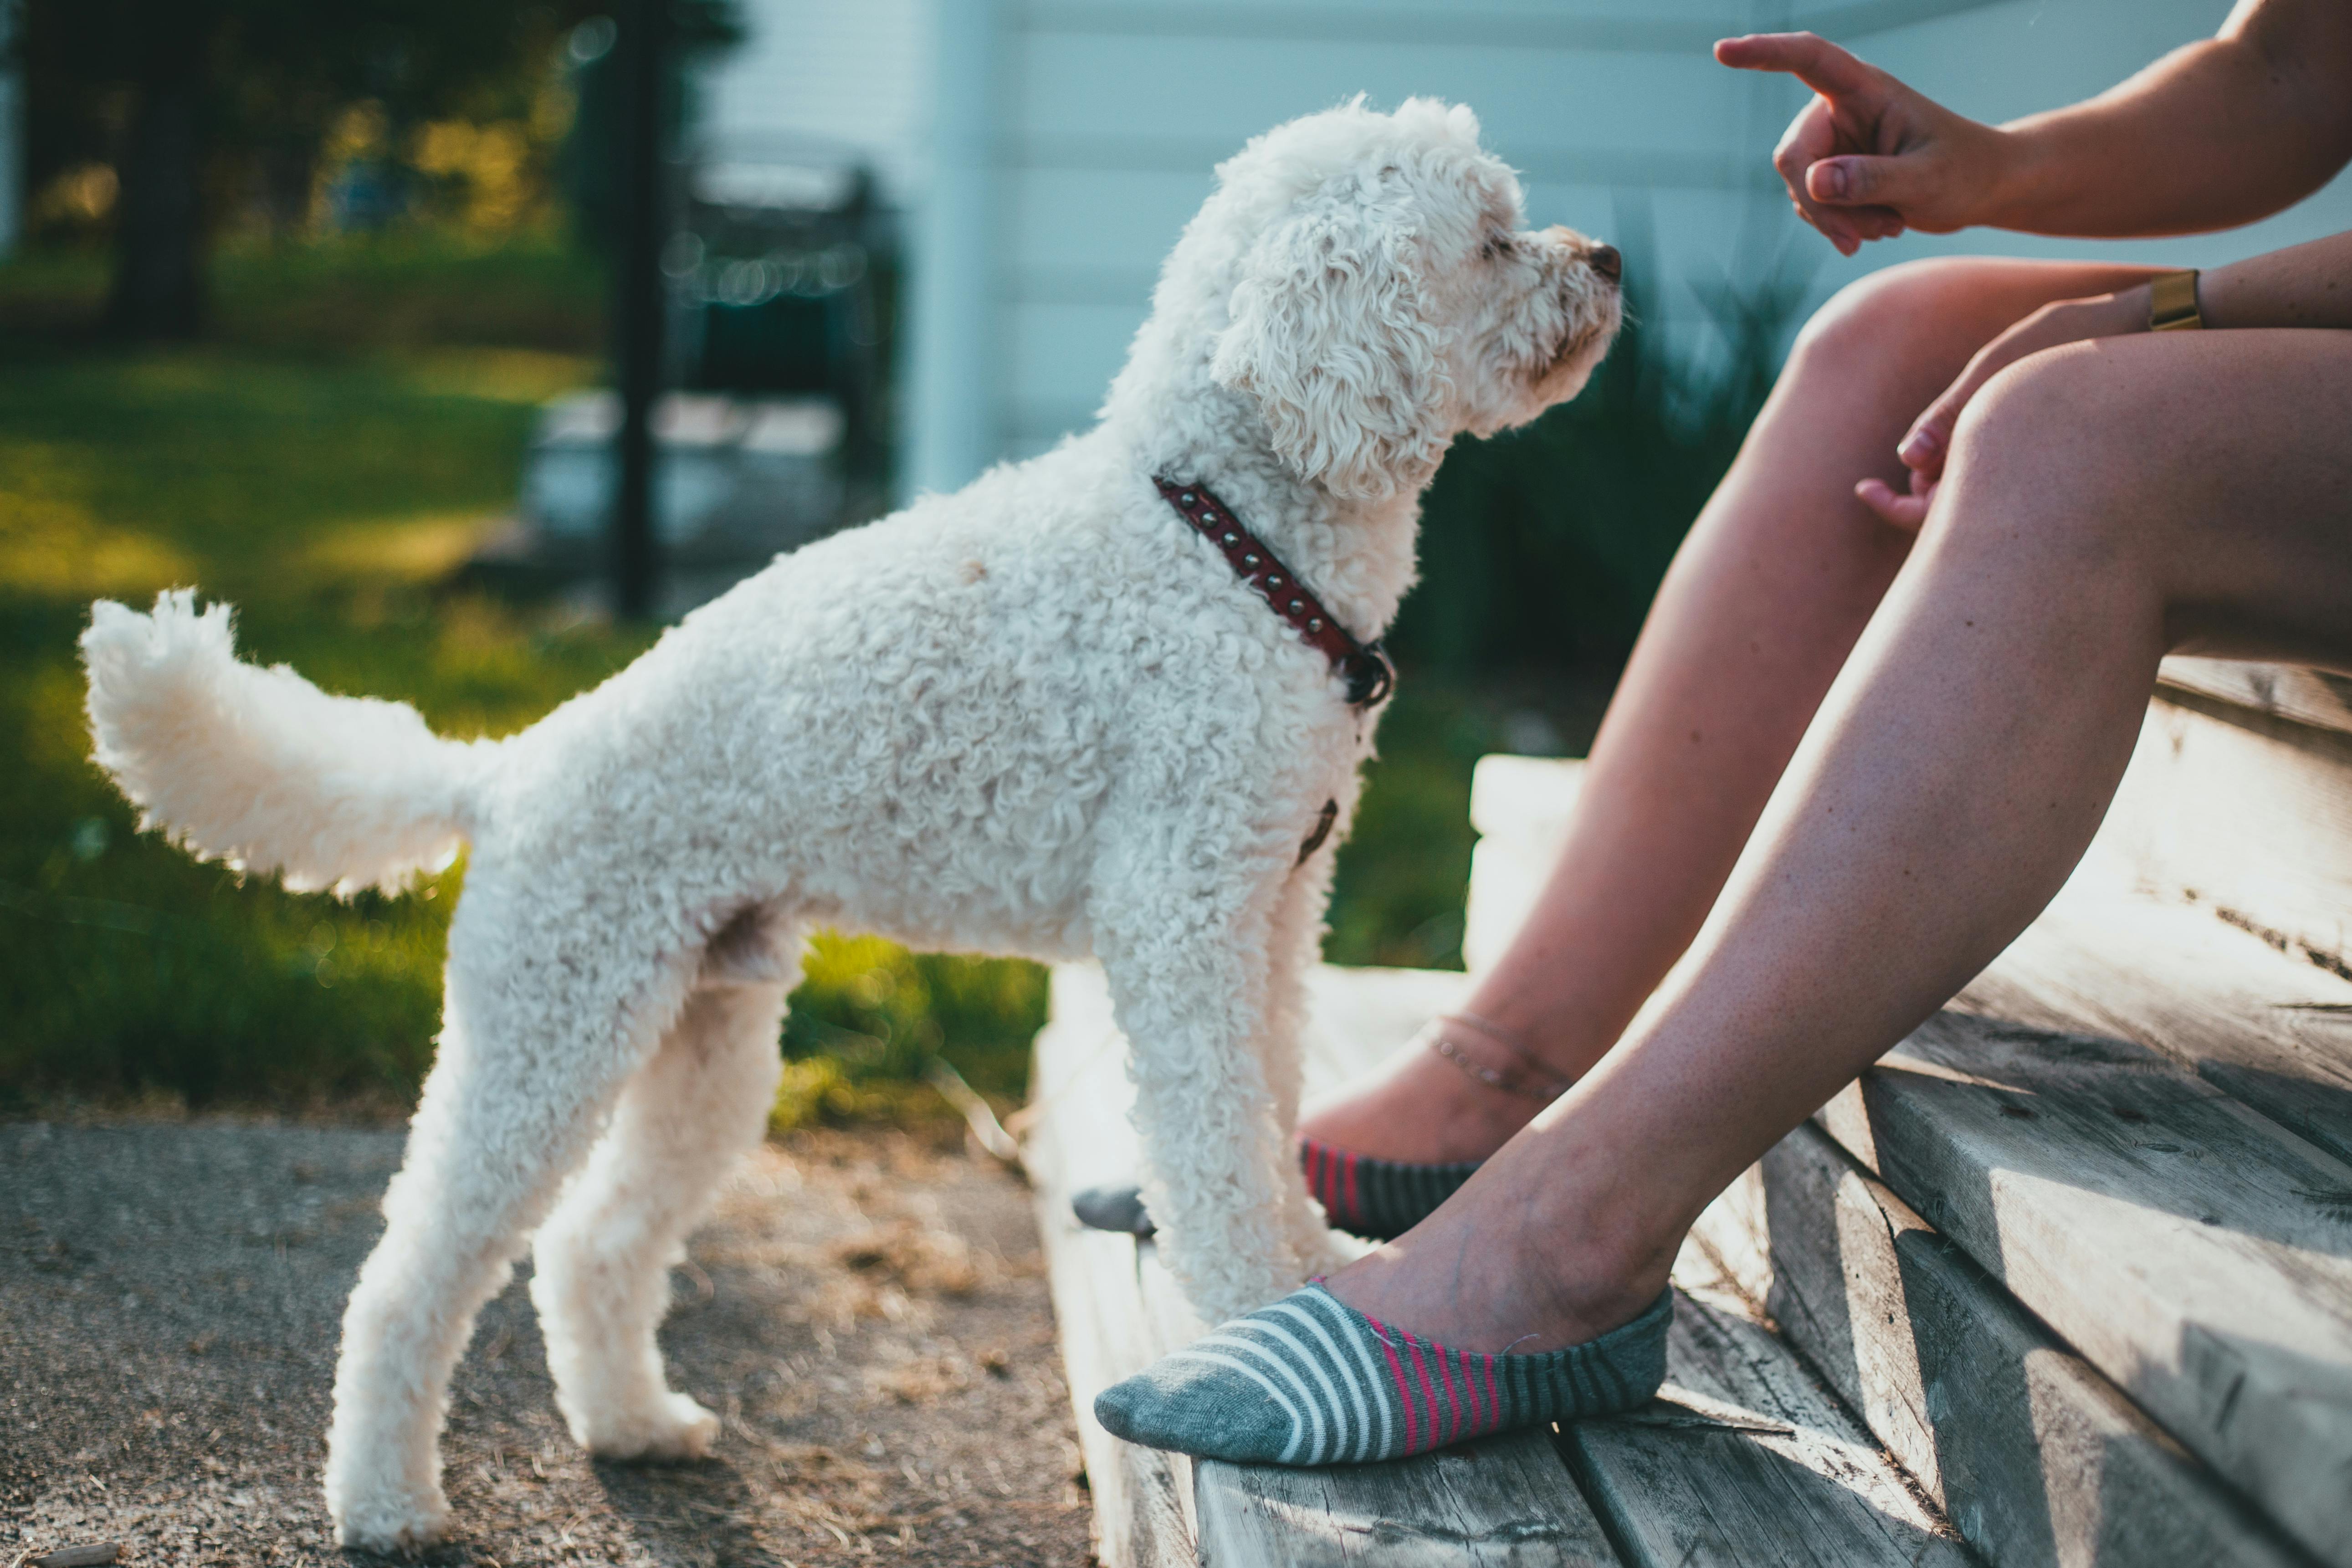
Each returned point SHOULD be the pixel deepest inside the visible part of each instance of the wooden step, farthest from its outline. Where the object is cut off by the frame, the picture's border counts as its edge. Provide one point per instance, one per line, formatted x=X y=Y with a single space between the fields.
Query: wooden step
x=2271 y=1030
x=2037 y=1458
x=2240 y=798
x=2193 y=1251
x=1746 y=1458
x=2191 y=1248
x=1746 y=1453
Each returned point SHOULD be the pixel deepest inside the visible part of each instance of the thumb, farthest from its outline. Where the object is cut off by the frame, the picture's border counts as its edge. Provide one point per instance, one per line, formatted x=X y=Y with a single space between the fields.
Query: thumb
x=1930 y=440
x=1859 y=181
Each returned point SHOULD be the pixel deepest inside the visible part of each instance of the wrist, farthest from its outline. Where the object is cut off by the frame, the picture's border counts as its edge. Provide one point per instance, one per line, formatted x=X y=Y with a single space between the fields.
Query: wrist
x=2016 y=182
x=2134 y=308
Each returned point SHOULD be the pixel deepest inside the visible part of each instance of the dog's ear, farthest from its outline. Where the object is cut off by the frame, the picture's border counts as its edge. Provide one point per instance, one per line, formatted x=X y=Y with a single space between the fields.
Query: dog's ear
x=1327 y=333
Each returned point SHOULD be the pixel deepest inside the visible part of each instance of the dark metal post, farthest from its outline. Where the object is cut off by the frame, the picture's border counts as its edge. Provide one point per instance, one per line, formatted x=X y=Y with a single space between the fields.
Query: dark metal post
x=644 y=46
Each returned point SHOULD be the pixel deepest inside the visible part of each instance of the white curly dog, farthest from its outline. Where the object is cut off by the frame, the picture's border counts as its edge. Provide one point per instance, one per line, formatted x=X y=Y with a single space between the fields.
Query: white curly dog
x=1041 y=716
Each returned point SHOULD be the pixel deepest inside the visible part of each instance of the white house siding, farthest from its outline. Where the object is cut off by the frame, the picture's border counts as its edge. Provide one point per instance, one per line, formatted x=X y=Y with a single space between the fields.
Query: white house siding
x=1057 y=147
x=854 y=73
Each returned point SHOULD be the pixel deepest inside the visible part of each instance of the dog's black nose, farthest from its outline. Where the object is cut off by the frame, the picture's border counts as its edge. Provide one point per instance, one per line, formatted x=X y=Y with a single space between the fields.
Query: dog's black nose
x=1605 y=260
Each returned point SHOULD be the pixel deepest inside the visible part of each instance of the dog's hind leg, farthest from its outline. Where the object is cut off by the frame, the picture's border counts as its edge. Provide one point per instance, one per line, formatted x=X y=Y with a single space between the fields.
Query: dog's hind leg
x=602 y=1261
x=535 y=1045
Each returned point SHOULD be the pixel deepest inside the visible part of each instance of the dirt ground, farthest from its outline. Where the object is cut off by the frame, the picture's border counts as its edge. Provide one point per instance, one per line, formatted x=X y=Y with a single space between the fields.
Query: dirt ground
x=868 y=1311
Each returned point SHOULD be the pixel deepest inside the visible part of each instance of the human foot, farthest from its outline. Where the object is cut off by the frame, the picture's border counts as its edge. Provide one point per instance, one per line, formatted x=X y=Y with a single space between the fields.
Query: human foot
x=1311 y=1381
x=1457 y=1095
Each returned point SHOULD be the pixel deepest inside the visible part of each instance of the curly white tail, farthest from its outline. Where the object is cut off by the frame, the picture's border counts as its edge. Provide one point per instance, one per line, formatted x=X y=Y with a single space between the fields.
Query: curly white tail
x=258 y=767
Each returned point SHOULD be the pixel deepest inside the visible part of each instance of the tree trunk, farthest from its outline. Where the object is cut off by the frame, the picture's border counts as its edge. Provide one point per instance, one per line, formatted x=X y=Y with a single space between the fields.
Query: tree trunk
x=158 y=271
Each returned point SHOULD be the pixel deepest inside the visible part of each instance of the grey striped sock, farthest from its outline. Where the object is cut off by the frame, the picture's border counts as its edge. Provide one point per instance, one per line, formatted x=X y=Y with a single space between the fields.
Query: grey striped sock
x=1378 y=1198
x=1311 y=1381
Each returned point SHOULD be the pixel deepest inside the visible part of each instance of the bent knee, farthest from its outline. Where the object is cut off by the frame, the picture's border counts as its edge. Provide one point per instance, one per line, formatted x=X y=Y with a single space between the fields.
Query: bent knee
x=2055 y=441
x=1894 y=312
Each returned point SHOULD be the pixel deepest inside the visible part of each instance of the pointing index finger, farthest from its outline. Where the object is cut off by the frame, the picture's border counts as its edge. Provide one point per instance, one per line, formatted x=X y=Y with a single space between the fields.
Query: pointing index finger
x=1812 y=60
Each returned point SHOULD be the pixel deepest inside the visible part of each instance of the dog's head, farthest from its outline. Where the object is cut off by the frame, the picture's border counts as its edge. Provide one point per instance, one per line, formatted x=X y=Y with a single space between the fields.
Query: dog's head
x=1388 y=299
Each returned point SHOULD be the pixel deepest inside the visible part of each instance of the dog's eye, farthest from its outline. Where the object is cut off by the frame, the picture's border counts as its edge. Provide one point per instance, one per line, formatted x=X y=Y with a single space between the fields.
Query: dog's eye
x=1497 y=248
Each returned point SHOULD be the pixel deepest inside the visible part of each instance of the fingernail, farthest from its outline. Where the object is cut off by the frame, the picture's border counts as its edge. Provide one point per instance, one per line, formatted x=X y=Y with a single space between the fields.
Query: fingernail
x=1916 y=445
x=1833 y=179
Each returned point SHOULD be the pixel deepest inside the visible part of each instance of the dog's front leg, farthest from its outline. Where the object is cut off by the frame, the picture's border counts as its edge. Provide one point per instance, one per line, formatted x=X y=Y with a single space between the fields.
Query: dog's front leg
x=1294 y=945
x=1185 y=950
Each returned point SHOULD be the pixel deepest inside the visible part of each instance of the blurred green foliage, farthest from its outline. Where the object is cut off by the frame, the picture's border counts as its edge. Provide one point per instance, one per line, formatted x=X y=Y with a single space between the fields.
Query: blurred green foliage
x=322 y=463
x=409 y=289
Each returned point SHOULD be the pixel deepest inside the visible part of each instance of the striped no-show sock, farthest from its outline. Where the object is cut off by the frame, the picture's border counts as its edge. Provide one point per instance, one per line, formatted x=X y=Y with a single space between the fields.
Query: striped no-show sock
x=1311 y=1381
x=1381 y=1199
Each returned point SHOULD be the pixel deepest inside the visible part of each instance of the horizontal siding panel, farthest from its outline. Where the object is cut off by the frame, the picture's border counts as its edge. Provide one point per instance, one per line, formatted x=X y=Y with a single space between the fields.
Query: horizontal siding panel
x=1063 y=355
x=1207 y=93
x=1118 y=218
x=1613 y=25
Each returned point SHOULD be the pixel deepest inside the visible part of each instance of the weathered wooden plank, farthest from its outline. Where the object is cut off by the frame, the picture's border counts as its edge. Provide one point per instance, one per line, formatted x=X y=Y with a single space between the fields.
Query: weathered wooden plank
x=1520 y=808
x=2247 y=814
x=2313 y=696
x=1505 y=1502
x=1745 y=1459
x=2269 y=1029
x=2034 y=1456
x=2197 y=1254
x=1139 y=1493
x=1140 y=1521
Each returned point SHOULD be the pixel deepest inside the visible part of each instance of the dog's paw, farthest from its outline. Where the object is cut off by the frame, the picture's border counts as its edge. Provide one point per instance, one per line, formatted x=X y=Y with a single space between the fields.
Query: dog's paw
x=388 y=1521
x=678 y=1428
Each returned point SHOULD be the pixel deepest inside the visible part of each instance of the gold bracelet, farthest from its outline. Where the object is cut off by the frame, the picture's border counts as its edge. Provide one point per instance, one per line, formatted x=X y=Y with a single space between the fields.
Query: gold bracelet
x=2172 y=303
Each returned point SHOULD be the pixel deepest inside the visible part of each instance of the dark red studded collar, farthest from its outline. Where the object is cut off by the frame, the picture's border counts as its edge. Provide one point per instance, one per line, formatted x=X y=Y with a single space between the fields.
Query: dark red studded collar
x=1365 y=667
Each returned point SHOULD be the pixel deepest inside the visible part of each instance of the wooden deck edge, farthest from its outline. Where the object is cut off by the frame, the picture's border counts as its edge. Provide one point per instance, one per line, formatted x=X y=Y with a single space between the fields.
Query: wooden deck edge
x=2314 y=698
x=1139 y=1522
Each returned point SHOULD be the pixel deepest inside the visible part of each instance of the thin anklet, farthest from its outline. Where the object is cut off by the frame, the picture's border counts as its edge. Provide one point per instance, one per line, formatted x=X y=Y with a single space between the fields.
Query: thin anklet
x=1532 y=1080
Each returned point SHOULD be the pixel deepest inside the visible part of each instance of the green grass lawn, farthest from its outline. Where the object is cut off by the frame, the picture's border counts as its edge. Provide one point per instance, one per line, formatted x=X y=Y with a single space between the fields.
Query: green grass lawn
x=323 y=460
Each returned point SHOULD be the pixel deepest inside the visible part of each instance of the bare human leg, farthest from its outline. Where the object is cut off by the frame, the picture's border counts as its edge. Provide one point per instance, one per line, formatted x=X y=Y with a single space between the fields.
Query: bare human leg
x=1762 y=606
x=2107 y=503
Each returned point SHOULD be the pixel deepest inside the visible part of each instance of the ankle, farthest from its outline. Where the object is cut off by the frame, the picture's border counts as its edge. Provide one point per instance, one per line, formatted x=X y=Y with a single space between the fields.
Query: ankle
x=1589 y=1280
x=1564 y=1039
x=1495 y=1058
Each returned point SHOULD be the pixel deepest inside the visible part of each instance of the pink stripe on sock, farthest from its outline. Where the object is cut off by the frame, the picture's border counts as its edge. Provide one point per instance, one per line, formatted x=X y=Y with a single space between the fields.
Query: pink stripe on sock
x=1478 y=1417
x=1420 y=1369
x=1453 y=1400
x=1354 y=1204
x=1396 y=1370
